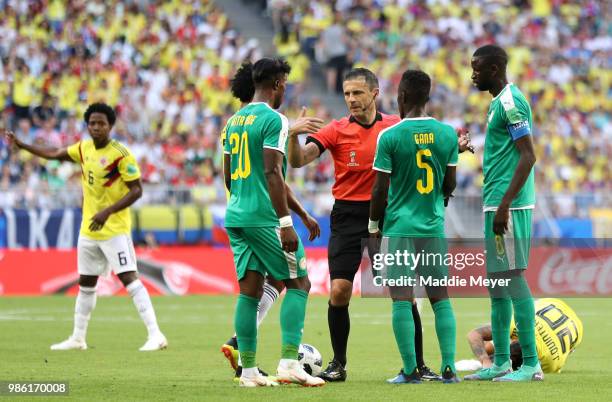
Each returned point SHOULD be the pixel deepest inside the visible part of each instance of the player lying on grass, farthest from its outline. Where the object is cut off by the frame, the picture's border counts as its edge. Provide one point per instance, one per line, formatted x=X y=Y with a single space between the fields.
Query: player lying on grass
x=111 y=184
x=416 y=163
x=558 y=332
x=259 y=225
x=243 y=88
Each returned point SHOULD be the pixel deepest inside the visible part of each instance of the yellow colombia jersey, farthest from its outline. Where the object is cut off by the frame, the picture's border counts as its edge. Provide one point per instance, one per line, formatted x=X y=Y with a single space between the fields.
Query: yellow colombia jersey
x=104 y=173
x=558 y=332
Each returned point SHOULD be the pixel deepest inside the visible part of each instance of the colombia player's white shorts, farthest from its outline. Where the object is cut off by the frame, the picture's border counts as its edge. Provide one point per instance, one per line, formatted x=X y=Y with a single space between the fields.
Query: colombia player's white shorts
x=97 y=257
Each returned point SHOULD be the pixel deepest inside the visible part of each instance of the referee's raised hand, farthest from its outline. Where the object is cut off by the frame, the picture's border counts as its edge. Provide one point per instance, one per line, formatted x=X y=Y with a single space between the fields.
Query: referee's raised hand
x=305 y=125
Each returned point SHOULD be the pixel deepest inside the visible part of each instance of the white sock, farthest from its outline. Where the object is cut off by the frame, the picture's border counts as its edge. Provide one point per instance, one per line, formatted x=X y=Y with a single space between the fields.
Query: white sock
x=249 y=372
x=270 y=294
x=287 y=364
x=143 y=304
x=85 y=303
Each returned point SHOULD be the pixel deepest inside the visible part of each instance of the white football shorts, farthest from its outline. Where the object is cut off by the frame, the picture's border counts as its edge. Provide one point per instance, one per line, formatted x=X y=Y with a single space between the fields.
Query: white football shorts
x=98 y=257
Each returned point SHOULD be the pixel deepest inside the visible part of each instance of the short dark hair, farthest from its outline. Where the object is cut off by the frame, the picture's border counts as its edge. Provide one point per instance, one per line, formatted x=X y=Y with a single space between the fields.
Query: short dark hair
x=418 y=84
x=266 y=71
x=367 y=75
x=516 y=355
x=100 y=107
x=493 y=54
x=242 y=85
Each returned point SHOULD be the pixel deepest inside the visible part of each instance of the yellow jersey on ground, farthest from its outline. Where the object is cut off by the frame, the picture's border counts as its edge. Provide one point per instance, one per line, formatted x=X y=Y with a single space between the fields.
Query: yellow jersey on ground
x=558 y=331
x=104 y=174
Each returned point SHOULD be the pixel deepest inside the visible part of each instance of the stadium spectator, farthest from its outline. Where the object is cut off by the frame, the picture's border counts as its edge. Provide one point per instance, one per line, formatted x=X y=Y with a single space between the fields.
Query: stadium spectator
x=155 y=60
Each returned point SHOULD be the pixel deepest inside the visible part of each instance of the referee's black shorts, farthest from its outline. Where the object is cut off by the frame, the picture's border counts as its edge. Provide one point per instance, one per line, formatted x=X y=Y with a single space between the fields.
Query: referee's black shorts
x=349 y=230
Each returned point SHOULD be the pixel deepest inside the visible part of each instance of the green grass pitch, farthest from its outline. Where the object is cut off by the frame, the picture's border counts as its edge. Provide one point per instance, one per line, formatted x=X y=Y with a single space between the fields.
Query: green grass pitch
x=193 y=368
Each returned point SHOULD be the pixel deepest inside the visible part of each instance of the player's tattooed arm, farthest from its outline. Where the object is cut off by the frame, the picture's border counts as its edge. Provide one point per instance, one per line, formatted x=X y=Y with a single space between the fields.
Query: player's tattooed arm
x=273 y=171
x=134 y=193
x=526 y=161
x=60 y=154
x=477 y=339
x=299 y=156
x=311 y=223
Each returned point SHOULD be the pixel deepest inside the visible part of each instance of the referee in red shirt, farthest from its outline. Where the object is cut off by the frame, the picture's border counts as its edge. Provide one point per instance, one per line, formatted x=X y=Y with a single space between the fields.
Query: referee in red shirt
x=352 y=143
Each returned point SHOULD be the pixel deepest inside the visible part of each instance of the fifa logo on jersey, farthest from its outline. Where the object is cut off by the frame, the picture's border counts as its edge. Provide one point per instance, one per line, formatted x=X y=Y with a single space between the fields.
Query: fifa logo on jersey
x=103 y=161
x=352 y=161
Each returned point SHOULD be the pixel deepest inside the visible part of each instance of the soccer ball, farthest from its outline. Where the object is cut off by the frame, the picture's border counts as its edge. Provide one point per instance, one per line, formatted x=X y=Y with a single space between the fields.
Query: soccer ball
x=310 y=358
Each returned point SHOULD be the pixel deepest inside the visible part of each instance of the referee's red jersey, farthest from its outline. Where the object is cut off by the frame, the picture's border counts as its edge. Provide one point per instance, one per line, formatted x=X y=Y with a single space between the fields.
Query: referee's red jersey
x=352 y=146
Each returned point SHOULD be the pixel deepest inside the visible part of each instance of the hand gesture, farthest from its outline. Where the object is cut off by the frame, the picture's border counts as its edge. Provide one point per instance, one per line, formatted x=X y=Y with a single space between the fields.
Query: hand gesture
x=11 y=139
x=463 y=135
x=305 y=124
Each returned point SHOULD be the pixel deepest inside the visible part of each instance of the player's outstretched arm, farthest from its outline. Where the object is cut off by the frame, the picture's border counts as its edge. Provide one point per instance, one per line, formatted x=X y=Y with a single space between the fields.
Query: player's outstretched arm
x=526 y=161
x=311 y=224
x=299 y=156
x=60 y=154
x=379 y=198
x=134 y=193
x=477 y=338
x=273 y=170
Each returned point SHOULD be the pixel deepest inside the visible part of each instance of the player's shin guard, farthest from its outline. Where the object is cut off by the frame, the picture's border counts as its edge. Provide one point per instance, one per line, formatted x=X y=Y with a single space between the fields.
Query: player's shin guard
x=501 y=317
x=85 y=303
x=143 y=304
x=403 y=328
x=245 y=322
x=292 y=314
x=447 y=332
x=524 y=316
x=270 y=294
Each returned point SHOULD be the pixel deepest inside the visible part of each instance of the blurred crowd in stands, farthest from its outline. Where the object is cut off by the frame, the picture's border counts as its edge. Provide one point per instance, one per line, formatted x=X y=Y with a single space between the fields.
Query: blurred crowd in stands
x=165 y=66
x=560 y=57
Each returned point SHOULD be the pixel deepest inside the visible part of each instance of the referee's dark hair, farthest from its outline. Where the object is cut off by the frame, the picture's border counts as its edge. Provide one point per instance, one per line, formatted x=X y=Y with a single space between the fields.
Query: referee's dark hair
x=241 y=84
x=415 y=84
x=367 y=75
x=103 y=108
x=267 y=71
x=493 y=54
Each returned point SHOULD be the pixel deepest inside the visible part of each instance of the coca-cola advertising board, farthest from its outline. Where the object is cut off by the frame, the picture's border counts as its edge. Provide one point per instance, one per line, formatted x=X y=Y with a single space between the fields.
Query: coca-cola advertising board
x=553 y=271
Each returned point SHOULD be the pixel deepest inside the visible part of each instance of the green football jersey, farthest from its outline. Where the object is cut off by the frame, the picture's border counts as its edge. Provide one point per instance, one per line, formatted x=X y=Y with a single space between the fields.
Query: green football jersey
x=416 y=153
x=508 y=119
x=253 y=128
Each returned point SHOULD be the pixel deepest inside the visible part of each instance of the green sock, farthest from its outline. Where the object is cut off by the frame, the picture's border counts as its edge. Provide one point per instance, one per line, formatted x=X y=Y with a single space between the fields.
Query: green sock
x=293 y=311
x=403 y=328
x=245 y=322
x=501 y=316
x=524 y=316
x=446 y=330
